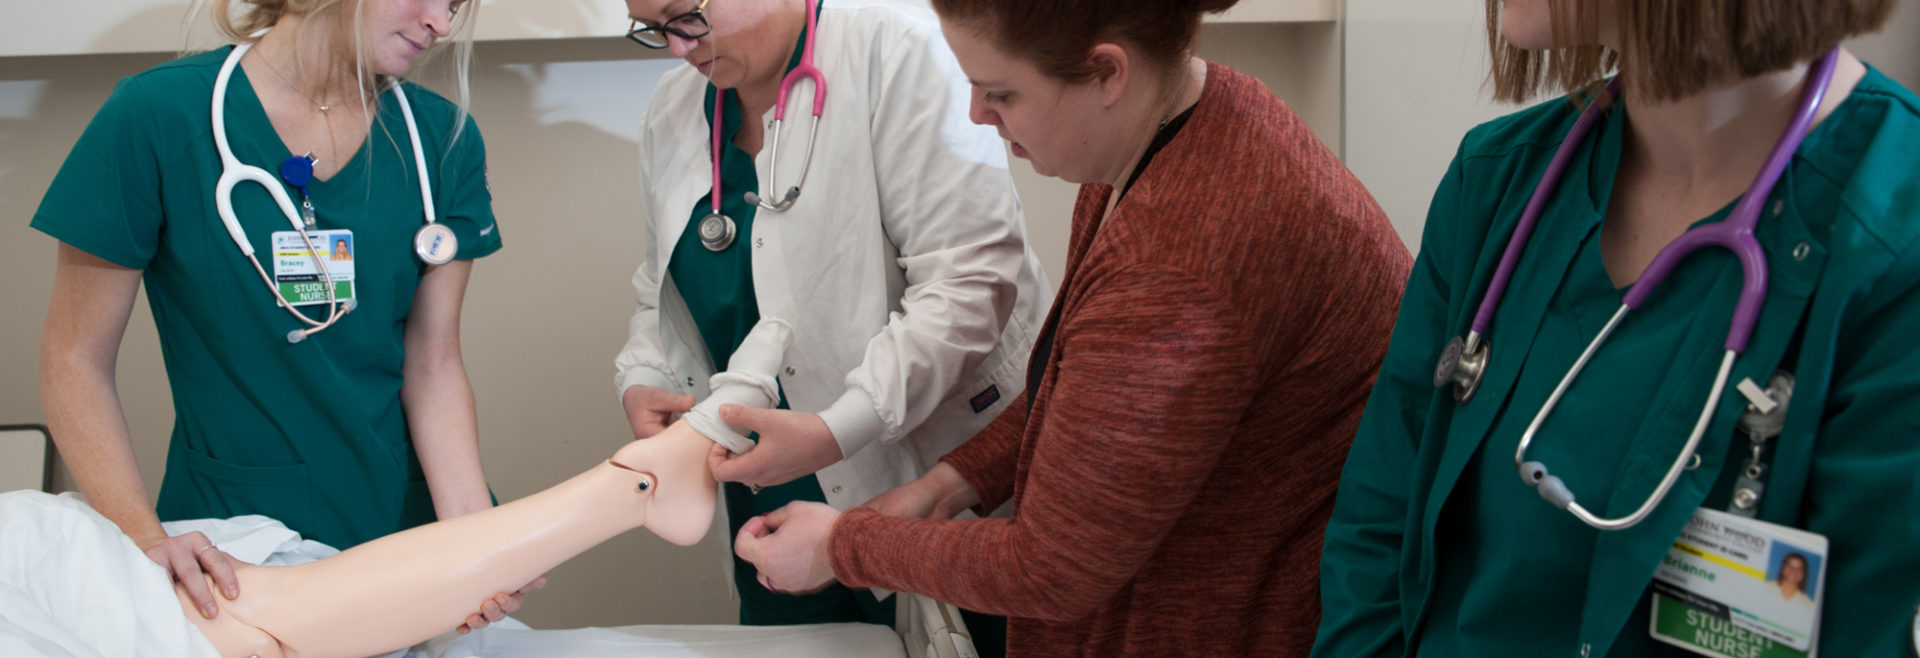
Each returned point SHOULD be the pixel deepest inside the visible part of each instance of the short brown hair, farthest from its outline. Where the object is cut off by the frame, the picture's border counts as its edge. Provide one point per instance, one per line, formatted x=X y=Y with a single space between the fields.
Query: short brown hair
x=1675 y=48
x=1056 y=35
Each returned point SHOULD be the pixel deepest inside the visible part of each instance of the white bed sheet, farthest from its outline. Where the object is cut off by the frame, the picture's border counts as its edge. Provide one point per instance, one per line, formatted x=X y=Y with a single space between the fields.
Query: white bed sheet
x=72 y=585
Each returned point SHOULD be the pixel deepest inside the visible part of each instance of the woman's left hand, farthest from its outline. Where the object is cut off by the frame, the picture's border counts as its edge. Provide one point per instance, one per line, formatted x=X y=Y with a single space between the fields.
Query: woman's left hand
x=792 y=445
x=789 y=547
x=498 y=607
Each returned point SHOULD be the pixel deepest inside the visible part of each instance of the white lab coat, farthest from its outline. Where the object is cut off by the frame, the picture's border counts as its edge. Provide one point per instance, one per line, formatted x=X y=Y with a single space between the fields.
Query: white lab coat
x=903 y=266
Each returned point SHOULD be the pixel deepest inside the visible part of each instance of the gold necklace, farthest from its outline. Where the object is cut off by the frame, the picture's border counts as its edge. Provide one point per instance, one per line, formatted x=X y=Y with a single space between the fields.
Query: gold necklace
x=290 y=85
x=333 y=145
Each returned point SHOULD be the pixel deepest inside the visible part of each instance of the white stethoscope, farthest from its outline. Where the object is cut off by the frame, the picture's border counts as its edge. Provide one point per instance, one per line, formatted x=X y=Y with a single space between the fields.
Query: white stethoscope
x=717 y=229
x=1464 y=361
x=434 y=243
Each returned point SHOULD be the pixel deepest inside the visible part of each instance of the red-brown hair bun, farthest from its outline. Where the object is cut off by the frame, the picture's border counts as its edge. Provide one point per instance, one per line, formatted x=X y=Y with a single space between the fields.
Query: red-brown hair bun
x=1056 y=35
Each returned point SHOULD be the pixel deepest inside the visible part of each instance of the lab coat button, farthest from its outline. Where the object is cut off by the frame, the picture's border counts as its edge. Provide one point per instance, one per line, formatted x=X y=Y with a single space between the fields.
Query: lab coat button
x=1778 y=206
x=759 y=242
x=836 y=488
x=689 y=381
x=1585 y=649
x=1800 y=251
x=789 y=371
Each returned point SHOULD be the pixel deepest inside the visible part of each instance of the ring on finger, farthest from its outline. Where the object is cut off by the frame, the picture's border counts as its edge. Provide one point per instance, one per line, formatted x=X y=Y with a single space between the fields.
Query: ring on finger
x=202 y=549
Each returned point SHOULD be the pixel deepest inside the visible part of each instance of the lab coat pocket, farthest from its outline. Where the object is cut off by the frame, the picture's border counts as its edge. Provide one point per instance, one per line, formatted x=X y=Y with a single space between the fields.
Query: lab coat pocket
x=224 y=489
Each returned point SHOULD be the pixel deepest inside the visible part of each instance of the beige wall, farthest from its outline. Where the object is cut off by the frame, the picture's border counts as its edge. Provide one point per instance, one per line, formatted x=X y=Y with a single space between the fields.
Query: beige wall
x=1414 y=71
x=545 y=315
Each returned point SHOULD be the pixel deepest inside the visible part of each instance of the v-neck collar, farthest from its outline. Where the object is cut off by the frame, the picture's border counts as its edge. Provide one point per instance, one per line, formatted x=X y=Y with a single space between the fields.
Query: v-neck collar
x=252 y=111
x=735 y=114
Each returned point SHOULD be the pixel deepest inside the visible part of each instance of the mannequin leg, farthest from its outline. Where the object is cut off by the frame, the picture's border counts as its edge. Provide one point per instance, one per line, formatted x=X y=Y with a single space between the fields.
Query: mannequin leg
x=404 y=588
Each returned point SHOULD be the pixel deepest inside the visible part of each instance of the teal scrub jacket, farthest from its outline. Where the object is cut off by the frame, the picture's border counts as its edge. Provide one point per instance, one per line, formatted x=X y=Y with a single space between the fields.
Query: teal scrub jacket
x=310 y=433
x=1842 y=313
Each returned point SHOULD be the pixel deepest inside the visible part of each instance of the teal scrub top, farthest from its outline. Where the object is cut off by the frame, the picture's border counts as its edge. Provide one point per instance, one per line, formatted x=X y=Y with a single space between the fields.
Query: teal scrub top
x=1437 y=548
x=312 y=433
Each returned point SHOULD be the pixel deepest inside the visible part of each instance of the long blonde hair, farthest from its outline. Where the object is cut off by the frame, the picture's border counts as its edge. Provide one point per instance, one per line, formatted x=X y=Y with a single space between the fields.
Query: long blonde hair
x=243 y=23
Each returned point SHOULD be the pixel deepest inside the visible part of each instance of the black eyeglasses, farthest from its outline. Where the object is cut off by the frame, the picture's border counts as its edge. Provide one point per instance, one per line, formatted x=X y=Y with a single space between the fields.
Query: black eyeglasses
x=690 y=25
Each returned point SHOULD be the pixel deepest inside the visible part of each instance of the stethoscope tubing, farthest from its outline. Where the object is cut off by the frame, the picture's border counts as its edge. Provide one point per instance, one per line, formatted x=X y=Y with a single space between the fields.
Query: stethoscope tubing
x=233 y=172
x=805 y=70
x=1736 y=234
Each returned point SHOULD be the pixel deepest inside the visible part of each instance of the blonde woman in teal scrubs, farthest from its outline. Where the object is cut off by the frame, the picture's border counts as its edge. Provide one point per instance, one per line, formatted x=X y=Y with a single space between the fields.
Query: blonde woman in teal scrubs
x=354 y=431
x=1437 y=547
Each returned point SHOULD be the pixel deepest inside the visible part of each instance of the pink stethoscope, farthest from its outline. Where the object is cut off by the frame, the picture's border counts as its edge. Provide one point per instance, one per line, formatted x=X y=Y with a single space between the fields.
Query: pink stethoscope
x=717 y=229
x=1464 y=361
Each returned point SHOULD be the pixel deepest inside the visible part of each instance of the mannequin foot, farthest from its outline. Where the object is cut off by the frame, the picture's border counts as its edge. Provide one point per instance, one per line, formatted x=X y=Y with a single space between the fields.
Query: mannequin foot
x=679 y=492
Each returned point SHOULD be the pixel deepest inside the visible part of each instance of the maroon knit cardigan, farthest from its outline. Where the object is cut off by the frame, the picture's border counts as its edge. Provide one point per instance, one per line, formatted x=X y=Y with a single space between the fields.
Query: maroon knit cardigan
x=1216 y=339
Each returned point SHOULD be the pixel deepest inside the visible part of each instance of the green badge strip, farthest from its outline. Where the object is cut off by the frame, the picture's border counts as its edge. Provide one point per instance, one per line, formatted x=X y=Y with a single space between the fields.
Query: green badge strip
x=313 y=292
x=1698 y=628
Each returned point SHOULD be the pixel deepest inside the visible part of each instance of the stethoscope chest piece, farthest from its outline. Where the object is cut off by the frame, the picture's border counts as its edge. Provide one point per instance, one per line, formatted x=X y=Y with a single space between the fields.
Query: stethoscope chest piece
x=716 y=232
x=435 y=244
x=1462 y=363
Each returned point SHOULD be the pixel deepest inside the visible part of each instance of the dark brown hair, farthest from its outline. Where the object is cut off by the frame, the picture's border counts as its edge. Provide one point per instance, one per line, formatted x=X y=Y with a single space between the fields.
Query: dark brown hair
x=1056 y=35
x=1675 y=48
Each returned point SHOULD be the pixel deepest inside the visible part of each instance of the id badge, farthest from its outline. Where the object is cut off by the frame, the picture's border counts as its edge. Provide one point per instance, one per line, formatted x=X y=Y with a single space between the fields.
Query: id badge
x=298 y=276
x=1734 y=587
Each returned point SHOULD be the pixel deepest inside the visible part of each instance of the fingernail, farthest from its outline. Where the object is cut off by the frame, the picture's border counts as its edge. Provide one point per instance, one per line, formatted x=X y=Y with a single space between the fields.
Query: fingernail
x=231 y=593
x=208 y=610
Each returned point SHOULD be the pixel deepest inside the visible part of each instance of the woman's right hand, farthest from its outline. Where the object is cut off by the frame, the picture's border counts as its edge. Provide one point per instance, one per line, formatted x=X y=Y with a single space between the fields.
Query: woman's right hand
x=938 y=495
x=186 y=557
x=650 y=410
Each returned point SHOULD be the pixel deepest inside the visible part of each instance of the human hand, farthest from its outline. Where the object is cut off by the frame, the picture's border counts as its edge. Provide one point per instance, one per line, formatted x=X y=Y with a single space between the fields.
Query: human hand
x=789 y=546
x=185 y=558
x=792 y=445
x=498 y=607
x=650 y=410
x=938 y=495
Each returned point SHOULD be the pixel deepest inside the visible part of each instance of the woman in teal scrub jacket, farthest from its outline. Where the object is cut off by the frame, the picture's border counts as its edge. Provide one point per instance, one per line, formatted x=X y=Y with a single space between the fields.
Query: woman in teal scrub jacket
x=1436 y=546
x=361 y=430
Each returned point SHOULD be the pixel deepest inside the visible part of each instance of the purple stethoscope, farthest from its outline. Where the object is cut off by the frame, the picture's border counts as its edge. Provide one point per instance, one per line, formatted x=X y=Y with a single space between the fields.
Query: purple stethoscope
x=1464 y=361
x=717 y=229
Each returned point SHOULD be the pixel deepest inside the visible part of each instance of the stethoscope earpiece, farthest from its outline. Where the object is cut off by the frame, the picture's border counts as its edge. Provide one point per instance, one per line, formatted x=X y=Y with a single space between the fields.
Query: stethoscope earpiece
x=1550 y=487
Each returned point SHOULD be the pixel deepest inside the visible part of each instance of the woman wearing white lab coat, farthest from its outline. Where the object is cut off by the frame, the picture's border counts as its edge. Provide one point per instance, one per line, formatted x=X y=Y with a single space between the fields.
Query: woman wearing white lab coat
x=902 y=266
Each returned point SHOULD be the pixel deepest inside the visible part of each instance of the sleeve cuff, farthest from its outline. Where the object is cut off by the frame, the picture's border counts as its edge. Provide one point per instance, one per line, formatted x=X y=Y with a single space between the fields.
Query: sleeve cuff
x=841 y=546
x=854 y=421
x=640 y=376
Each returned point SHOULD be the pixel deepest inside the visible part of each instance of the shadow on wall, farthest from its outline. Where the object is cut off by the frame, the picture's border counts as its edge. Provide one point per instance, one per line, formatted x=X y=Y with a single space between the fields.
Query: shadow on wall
x=45 y=103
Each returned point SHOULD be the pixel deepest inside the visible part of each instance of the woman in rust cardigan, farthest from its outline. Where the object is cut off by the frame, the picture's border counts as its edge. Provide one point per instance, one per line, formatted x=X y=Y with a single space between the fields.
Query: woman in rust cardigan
x=1229 y=292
